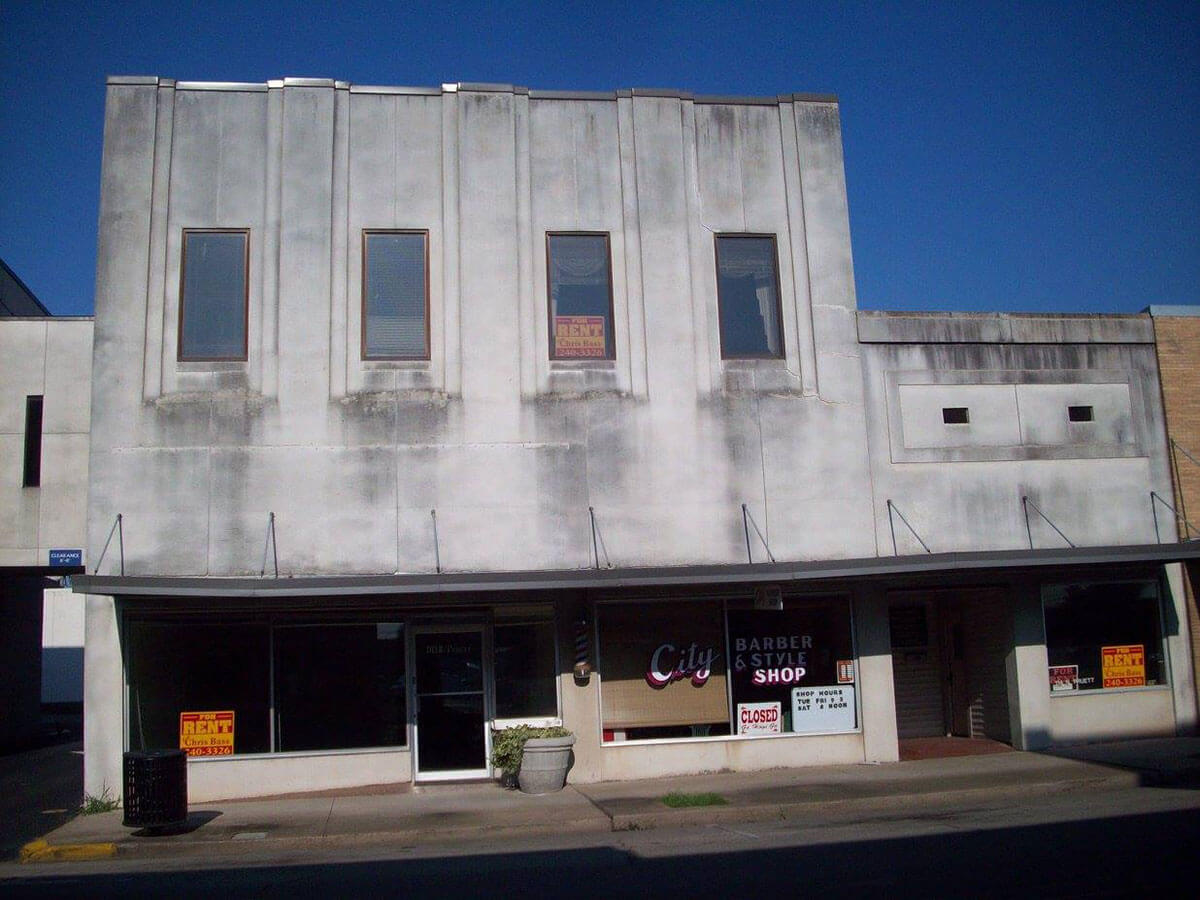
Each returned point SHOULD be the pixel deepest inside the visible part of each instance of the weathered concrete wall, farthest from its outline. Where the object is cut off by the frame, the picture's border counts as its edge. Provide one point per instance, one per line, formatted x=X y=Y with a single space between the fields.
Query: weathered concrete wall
x=960 y=485
x=665 y=442
x=51 y=358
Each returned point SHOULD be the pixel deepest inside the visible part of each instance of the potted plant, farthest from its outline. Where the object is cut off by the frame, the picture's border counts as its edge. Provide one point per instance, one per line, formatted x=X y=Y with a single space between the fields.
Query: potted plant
x=536 y=759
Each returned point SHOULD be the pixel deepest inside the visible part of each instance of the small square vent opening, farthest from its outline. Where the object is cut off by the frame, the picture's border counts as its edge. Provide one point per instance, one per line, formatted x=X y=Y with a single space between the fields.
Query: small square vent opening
x=1080 y=414
x=956 y=415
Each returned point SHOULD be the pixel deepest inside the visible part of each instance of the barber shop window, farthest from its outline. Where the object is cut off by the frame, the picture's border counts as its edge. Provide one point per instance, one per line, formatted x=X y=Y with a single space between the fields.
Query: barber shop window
x=748 y=297
x=213 y=295
x=579 y=277
x=663 y=672
x=395 y=315
x=526 y=668
x=1103 y=636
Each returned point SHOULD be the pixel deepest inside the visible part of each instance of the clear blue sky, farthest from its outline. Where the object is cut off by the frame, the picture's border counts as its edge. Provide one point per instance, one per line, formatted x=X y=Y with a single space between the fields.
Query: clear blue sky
x=1000 y=156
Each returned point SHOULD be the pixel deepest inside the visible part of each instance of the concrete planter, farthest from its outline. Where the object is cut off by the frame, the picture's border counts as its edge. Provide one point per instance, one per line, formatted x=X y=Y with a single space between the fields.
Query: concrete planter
x=544 y=764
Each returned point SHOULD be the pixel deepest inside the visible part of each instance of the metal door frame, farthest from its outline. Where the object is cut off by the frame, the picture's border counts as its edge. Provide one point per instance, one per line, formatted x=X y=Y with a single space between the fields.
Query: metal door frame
x=485 y=639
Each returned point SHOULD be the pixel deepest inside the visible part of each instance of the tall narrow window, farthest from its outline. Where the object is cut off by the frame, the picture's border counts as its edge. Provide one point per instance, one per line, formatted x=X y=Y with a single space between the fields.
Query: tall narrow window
x=579 y=276
x=213 y=297
x=748 y=297
x=395 y=321
x=33 y=442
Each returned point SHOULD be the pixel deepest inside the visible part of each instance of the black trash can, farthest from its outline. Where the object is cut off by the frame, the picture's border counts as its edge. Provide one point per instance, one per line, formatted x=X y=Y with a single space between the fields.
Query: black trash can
x=155 y=789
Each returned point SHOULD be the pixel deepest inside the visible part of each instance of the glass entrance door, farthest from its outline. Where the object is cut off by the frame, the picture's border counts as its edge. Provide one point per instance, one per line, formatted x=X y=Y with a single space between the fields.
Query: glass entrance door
x=451 y=715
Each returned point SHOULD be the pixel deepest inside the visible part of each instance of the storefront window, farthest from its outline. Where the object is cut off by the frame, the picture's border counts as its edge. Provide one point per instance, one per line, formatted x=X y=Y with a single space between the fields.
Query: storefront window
x=525 y=670
x=663 y=670
x=202 y=686
x=1103 y=636
x=792 y=669
x=339 y=686
x=206 y=687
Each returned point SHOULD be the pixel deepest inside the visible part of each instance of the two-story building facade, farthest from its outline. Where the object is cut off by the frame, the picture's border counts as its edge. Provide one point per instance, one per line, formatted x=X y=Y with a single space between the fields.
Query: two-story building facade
x=426 y=411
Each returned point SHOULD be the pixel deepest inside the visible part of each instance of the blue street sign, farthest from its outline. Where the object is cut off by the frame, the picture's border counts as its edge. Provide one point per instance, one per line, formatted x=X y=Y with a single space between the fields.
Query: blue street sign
x=66 y=557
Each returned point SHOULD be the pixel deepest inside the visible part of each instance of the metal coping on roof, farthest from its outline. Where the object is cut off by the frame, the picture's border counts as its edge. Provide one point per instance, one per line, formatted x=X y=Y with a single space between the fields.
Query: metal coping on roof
x=477 y=87
x=794 y=572
x=1168 y=310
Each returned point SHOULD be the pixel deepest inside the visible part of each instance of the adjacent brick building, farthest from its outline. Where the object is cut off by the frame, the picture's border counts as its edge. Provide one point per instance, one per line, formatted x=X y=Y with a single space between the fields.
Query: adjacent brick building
x=1177 y=337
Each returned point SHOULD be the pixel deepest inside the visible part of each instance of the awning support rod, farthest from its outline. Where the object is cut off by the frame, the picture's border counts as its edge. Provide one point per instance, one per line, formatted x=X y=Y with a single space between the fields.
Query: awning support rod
x=1025 y=504
x=269 y=544
x=120 y=530
x=437 y=550
x=747 y=521
x=892 y=525
x=1187 y=526
x=598 y=542
x=1176 y=446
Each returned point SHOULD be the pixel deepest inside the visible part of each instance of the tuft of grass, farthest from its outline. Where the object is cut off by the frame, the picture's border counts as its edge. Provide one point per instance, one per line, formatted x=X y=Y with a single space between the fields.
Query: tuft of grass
x=106 y=802
x=680 y=800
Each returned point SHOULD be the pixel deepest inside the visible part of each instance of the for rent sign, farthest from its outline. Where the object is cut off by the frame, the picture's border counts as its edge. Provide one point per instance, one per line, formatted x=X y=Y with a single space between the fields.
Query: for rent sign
x=1123 y=665
x=206 y=733
x=579 y=336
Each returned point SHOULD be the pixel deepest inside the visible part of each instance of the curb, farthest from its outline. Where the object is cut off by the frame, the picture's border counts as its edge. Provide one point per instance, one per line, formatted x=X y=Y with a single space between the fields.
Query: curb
x=40 y=851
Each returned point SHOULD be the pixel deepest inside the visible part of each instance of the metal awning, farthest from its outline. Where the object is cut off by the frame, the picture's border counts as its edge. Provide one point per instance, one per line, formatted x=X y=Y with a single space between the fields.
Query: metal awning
x=608 y=579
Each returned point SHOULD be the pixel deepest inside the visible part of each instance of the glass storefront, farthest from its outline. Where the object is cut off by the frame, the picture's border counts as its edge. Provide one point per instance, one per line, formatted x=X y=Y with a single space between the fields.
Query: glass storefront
x=280 y=684
x=708 y=668
x=1103 y=636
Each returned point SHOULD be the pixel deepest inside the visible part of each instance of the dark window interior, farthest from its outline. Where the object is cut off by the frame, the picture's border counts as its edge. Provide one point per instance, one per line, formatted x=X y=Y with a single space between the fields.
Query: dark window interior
x=1080 y=413
x=394 y=321
x=194 y=667
x=339 y=686
x=1082 y=619
x=213 y=300
x=525 y=670
x=748 y=297
x=33 y=442
x=579 y=272
x=956 y=415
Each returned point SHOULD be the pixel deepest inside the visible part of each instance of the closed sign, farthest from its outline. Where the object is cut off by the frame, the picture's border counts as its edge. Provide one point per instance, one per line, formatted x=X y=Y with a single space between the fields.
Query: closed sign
x=760 y=718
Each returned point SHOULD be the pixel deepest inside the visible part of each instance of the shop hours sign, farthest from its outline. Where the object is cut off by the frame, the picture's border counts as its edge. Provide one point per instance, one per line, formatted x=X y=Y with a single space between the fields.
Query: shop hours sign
x=823 y=710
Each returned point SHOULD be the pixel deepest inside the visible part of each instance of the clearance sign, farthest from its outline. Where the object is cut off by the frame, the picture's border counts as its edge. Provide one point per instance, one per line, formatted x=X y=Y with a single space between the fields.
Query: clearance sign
x=1123 y=665
x=206 y=733
x=579 y=336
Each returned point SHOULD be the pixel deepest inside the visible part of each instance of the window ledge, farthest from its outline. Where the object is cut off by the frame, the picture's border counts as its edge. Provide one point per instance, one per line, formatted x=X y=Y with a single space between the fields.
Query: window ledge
x=418 y=365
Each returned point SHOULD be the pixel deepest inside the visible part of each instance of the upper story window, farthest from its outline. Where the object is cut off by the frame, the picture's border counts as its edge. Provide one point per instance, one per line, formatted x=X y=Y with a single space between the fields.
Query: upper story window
x=32 y=475
x=213 y=297
x=395 y=319
x=748 y=297
x=579 y=276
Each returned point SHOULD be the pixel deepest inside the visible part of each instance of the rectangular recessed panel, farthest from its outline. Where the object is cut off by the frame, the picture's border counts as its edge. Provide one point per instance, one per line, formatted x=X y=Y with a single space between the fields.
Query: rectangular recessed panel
x=958 y=415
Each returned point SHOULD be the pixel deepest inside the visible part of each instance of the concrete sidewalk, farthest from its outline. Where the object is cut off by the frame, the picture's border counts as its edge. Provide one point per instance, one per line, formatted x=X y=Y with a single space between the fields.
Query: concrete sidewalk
x=409 y=816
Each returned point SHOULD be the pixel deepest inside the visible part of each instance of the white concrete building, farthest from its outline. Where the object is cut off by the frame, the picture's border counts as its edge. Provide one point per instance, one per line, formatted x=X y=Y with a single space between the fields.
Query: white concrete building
x=45 y=395
x=431 y=410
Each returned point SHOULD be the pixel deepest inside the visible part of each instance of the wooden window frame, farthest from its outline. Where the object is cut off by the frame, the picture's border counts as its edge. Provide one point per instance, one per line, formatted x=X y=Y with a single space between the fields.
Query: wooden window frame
x=608 y=356
x=245 y=232
x=738 y=235
x=363 y=355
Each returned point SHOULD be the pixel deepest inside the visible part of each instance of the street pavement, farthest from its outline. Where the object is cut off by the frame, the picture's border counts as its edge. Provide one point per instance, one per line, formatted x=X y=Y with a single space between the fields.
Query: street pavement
x=40 y=789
